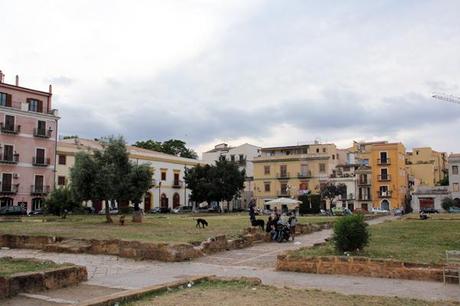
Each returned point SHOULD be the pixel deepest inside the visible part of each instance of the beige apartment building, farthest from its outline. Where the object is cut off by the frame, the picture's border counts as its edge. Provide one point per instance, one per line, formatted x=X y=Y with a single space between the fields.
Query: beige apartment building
x=292 y=171
x=426 y=166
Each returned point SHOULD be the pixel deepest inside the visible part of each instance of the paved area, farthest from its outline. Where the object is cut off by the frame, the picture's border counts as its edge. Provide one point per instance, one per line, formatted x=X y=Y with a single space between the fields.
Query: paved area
x=113 y=273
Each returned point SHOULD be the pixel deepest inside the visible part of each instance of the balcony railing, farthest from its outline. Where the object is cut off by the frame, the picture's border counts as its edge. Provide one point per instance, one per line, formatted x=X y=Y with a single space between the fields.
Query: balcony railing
x=9 y=158
x=284 y=193
x=40 y=162
x=39 y=189
x=383 y=161
x=384 y=178
x=304 y=174
x=42 y=133
x=384 y=194
x=177 y=184
x=364 y=182
x=10 y=129
x=283 y=175
x=6 y=189
x=364 y=198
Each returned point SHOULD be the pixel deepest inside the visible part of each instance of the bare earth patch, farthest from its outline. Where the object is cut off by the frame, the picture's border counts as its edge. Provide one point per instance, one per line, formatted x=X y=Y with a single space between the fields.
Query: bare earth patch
x=9 y=266
x=242 y=294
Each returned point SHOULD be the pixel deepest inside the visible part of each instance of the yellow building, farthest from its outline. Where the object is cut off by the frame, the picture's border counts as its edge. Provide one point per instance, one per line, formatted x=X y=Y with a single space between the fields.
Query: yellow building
x=389 y=176
x=426 y=166
x=292 y=170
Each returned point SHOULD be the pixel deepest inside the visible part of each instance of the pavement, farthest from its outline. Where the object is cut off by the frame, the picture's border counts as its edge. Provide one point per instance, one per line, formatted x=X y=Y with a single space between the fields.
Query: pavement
x=107 y=274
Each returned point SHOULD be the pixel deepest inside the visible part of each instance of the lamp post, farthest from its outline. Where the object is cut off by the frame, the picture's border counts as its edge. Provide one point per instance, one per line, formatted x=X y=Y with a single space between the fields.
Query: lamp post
x=159 y=194
x=185 y=186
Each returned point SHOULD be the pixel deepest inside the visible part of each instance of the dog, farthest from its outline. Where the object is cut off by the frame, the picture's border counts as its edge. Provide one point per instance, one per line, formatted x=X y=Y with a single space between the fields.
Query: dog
x=260 y=223
x=201 y=223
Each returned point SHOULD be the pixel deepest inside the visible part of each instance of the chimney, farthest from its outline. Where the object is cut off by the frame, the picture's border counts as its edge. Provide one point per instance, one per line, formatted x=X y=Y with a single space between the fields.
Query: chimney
x=17 y=80
x=50 y=89
x=1 y=76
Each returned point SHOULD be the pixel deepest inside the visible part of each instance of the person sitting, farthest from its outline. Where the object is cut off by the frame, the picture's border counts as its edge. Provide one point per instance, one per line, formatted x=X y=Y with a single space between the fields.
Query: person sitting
x=292 y=225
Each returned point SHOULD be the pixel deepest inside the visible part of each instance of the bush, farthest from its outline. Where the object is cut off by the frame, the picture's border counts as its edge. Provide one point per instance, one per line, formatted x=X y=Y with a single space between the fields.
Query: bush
x=350 y=233
x=60 y=200
x=447 y=203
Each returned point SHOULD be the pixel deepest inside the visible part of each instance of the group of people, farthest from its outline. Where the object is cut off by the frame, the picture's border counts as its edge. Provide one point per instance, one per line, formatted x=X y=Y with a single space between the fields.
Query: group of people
x=279 y=223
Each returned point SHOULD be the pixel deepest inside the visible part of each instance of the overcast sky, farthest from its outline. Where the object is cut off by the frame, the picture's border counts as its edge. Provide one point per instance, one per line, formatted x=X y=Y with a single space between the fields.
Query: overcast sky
x=265 y=72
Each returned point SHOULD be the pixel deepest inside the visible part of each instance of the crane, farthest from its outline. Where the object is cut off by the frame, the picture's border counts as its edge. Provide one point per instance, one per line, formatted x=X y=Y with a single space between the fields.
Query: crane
x=446 y=97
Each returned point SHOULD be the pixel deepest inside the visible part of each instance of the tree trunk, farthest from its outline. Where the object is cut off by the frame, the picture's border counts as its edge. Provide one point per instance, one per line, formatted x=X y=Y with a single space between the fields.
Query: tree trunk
x=138 y=215
x=108 y=218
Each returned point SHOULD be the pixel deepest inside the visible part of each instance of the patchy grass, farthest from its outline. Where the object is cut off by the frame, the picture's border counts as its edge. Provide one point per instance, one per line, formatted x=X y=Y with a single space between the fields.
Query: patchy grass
x=242 y=293
x=162 y=228
x=405 y=240
x=9 y=266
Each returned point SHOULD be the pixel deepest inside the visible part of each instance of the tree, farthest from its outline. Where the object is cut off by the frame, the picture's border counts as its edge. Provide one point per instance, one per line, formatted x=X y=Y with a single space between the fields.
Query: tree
x=444 y=181
x=447 y=203
x=330 y=191
x=350 y=233
x=60 y=201
x=173 y=146
x=109 y=175
x=221 y=182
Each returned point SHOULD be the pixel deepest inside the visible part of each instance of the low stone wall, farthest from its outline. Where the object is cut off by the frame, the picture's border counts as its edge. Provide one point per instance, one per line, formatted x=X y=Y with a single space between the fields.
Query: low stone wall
x=359 y=266
x=39 y=281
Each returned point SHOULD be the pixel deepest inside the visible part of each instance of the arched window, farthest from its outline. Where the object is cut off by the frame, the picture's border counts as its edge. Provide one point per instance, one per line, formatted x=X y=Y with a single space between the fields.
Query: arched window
x=6 y=202
x=176 y=200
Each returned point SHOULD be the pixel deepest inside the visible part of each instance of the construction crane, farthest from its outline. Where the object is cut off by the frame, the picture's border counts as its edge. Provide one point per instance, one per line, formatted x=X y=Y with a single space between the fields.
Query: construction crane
x=446 y=97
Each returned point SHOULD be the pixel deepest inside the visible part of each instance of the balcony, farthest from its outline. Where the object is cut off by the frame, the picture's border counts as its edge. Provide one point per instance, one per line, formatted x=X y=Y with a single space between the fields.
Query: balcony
x=384 y=194
x=242 y=162
x=364 y=182
x=39 y=190
x=10 y=129
x=42 y=133
x=283 y=193
x=364 y=198
x=384 y=178
x=8 y=189
x=40 y=161
x=177 y=184
x=9 y=158
x=383 y=161
x=304 y=174
x=283 y=175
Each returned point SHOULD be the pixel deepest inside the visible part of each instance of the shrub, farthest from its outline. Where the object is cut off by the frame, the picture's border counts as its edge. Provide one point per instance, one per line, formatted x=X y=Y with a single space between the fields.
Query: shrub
x=350 y=233
x=61 y=200
x=447 y=203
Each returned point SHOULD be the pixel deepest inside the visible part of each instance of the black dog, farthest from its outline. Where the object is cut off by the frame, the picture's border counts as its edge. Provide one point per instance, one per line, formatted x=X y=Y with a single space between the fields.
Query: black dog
x=260 y=223
x=201 y=222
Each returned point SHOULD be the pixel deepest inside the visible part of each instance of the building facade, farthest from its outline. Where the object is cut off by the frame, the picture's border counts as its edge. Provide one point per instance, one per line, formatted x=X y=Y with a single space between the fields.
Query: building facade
x=389 y=177
x=426 y=166
x=454 y=176
x=28 y=137
x=243 y=155
x=168 y=188
x=429 y=197
x=292 y=171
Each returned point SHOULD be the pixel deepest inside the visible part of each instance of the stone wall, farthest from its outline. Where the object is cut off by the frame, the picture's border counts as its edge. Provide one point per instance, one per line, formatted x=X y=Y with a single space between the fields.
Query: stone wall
x=39 y=281
x=359 y=266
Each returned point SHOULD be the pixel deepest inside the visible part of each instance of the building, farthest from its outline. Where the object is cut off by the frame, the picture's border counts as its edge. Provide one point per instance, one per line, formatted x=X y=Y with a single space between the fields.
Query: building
x=426 y=166
x=28 y=135
x=429 y=197
x=454 y=176
x=243 y=155
x=292 y=171
x=389 y=178
x=168 y=187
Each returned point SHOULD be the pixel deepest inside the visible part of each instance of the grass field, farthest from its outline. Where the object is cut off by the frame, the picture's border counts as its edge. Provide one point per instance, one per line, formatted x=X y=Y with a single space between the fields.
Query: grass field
x=242 y=293
x=166 y=228
x=9 y=266
x=409 y=240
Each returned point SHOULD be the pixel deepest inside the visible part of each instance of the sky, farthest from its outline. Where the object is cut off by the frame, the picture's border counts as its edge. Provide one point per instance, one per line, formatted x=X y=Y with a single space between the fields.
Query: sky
x=264 y=72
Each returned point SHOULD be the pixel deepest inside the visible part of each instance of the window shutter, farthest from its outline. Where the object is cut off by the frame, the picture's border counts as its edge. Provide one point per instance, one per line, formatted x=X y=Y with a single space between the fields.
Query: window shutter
x=8 y=100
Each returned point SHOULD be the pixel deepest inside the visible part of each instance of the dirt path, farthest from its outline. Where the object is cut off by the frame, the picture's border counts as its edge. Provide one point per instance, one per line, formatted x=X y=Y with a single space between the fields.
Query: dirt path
x=114 y=273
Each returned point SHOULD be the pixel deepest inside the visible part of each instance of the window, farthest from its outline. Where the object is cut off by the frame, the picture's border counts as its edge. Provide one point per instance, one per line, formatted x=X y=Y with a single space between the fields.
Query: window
x=7 y=182
x=62 y=160
x=284 y=189
x=176 y=179
x=163 y=175
x=267 y=187
x=40 y=156
x=9 y=122
x=317 y=150
x=41 y=128
x=454 y=169
x=5 y=99
x=35 y=105
x=232 y=158
x=222 y=157
x=283 y=170
x=455 y=187
x=266 y=170
x=333 y=156
x=61 y=180
x=241 y=157
x=322 y=168
x=324 y=150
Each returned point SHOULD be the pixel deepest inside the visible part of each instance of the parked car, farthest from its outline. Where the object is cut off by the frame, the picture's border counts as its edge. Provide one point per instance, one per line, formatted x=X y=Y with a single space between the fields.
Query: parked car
x=340 y=211
x=379 y=211
x=429 y=210
x=398 y=212
x=36 y=212
x=454 y=210
x=112 y=211
x=13 y=211
x=360 y=211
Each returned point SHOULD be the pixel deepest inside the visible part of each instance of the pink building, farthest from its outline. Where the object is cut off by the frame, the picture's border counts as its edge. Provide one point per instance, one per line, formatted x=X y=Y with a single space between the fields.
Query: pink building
x=28 y=139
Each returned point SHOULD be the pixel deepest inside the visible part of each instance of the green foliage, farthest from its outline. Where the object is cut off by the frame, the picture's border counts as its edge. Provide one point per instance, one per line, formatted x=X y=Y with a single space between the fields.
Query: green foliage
x=350 y=233
x=61 y=200
x=447 y=203
x=444 y=181
x=330 y=191
x=215 y=183
x=311 y=204
x=173 y=146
